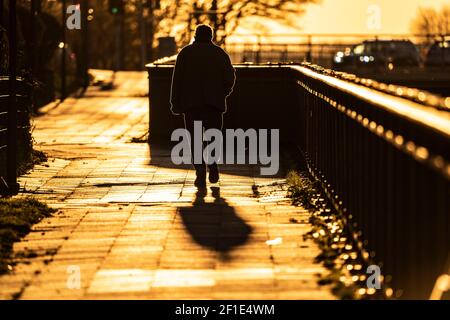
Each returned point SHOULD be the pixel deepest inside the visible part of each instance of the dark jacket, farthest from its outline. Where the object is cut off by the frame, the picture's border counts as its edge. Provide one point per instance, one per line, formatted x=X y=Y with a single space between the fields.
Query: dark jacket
x=203 y=76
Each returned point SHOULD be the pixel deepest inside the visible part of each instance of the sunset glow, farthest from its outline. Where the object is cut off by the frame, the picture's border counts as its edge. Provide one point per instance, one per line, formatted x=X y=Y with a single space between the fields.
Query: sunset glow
x=350 y=17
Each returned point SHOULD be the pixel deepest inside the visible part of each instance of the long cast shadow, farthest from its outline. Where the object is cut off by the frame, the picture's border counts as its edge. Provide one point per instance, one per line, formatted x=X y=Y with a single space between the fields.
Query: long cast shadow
x=215 y=225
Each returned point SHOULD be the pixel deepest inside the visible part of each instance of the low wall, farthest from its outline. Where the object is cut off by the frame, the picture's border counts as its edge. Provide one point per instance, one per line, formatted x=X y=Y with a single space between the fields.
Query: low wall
x=262 y=97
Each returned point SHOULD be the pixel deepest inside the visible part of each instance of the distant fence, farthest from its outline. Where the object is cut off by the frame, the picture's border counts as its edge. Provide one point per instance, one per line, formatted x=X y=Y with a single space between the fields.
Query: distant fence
x=321 y=54
x=316 y=48
x=381 y=153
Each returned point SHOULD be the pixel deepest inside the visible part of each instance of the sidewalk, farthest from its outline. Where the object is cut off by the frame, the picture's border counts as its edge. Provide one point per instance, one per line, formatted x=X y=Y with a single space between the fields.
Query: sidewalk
x=132 y=226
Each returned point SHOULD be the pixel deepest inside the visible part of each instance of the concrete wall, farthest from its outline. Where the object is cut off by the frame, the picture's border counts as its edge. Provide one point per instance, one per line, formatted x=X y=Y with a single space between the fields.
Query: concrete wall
x=263 y=98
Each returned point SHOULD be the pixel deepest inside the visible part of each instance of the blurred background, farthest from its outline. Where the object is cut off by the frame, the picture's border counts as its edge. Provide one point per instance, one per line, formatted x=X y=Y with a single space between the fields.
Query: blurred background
x=404 y=42
x=390 y=168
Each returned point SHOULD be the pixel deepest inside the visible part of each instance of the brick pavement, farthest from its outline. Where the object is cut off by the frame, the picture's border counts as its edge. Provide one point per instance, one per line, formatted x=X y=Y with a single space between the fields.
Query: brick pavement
x=132 y=226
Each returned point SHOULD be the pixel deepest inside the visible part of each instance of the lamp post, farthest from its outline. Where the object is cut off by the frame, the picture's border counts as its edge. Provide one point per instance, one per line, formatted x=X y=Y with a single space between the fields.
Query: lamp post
x=214 y=18
x=63 y=50
x=85 y=43
x=142 y=34
x=152 y=6
x=34 y=11
x=117 y=8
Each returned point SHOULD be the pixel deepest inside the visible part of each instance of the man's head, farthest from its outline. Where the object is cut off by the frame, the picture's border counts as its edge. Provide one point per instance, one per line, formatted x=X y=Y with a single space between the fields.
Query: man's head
x=203 y=33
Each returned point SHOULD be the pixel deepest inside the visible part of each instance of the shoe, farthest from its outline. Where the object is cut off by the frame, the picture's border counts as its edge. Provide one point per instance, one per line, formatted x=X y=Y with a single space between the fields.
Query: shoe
x=200 y=181
x=213 y=174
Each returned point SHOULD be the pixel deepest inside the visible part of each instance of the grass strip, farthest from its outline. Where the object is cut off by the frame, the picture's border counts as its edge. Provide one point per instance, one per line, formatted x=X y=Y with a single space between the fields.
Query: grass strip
x=17 y=216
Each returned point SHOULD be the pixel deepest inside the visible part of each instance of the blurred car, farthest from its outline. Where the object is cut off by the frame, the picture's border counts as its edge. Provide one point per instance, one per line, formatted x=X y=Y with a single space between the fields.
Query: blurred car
x=439 y=54
x=379 y=53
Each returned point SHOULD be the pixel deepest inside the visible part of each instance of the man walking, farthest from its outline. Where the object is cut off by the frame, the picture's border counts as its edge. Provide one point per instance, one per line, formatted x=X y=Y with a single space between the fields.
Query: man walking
x=202 y=80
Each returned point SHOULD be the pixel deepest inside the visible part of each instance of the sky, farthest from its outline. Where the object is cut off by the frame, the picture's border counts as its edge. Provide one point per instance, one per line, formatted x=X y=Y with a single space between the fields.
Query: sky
x=360 y=16
x=353 y=17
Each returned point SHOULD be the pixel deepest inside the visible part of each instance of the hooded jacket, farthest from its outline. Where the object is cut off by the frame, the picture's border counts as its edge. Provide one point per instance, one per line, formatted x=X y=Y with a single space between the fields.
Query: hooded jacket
x=203 y=76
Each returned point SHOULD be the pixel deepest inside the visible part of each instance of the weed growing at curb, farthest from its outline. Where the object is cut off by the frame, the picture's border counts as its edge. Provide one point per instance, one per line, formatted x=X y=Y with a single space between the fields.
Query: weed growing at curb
x=301 y=190
x=36 y=157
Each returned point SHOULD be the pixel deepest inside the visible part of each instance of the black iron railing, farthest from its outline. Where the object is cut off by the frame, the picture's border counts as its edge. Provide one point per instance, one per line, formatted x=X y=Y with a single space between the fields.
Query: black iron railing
x=384 y=161
x=381 y=152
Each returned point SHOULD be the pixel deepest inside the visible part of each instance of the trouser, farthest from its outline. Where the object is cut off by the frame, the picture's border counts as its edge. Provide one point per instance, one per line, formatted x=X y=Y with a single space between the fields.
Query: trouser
x=211 y=119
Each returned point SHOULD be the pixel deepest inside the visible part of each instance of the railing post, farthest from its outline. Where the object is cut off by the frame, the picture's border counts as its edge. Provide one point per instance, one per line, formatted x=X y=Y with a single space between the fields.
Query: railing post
x=35 y=4
x=11 y=164
x=309 y=53
x=85 y=42
x=2 y=9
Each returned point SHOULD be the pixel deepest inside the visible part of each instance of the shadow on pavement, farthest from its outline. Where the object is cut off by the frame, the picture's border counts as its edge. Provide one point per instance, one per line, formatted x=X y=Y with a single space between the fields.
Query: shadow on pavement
x=215 y=225
x=160 y=156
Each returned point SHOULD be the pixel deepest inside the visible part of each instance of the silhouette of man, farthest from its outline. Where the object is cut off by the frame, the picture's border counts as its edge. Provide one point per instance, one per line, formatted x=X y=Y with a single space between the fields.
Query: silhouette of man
x=202 y=80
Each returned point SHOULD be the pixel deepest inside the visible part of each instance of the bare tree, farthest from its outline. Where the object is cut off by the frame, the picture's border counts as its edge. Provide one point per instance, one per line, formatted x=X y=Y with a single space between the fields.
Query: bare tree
x=224 y=15
x=150 y=19
x=430 y=22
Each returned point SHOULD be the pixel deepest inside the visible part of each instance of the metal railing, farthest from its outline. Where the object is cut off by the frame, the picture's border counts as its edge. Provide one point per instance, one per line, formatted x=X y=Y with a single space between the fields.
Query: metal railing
x=384 y=162
x=381 y=153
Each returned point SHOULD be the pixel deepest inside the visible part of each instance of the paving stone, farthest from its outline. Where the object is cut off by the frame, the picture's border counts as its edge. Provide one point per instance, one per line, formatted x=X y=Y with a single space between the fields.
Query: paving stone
x=131 y=223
